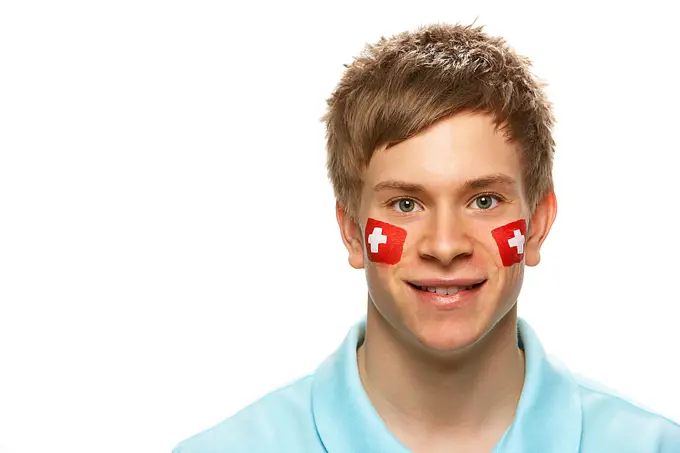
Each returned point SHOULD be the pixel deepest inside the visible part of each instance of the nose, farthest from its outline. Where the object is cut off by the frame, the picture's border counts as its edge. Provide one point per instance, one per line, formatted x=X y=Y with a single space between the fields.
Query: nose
x=446 y=238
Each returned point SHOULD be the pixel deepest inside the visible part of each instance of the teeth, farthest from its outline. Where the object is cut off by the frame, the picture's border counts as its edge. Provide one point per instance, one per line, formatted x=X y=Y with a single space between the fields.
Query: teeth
x=445 y=290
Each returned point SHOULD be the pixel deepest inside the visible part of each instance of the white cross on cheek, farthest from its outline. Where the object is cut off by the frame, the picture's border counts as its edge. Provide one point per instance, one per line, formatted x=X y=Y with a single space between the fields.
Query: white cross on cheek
x=517 y=241
x=376 y=238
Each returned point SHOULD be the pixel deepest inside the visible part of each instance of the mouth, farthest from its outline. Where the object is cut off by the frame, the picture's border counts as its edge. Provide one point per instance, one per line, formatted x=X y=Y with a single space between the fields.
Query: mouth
x=447 y=295
x=446 y=290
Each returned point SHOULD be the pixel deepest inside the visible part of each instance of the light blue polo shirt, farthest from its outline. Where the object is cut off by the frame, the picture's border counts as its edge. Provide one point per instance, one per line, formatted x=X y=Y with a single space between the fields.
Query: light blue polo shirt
x=329 y=411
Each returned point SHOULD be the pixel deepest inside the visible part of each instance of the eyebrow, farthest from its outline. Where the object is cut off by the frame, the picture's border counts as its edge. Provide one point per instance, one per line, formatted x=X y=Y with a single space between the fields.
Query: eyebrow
x=496 y=179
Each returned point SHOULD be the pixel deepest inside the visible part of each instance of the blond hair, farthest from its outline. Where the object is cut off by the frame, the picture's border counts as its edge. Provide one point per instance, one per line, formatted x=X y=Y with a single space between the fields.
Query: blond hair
x=399 y=86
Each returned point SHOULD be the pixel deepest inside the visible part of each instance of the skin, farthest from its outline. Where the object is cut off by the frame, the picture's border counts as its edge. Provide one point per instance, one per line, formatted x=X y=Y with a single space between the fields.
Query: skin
x=445 y=379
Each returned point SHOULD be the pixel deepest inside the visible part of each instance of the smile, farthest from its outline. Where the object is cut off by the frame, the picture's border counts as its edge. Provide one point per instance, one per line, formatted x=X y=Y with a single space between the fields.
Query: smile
x=447 y=295
x=445 y=290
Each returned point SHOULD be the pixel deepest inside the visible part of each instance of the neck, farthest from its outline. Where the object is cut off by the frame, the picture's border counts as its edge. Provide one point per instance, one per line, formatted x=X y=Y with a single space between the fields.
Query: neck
x=473 y=393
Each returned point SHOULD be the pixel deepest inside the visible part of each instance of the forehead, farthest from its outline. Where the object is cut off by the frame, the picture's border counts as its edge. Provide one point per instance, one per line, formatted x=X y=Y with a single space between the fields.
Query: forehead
x=452 y=151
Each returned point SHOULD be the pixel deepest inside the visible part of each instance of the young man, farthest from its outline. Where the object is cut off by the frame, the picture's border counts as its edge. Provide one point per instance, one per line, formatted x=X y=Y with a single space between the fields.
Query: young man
x=440 y=154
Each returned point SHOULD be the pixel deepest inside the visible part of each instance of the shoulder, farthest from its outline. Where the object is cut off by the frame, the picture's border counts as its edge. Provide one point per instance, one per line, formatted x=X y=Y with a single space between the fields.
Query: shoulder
x=613 y=421
x=279 y=421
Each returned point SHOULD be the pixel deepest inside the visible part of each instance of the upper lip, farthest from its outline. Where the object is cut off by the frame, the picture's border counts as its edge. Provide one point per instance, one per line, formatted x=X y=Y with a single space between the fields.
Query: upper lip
x=446 y=282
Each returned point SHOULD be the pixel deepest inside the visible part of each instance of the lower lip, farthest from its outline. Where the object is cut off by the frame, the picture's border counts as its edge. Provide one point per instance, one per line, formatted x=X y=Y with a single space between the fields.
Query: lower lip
x=446 y=301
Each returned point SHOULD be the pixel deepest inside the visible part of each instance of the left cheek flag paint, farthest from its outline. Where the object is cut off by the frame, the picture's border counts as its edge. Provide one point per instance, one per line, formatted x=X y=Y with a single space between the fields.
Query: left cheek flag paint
x=510 y=239
x=384 y=241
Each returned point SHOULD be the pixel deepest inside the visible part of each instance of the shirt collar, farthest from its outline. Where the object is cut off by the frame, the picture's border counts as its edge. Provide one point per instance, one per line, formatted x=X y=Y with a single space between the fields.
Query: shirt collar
x=548 y=417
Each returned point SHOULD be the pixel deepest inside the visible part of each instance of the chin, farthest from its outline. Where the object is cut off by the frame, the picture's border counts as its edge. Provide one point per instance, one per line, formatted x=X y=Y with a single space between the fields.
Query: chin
x=447 y=336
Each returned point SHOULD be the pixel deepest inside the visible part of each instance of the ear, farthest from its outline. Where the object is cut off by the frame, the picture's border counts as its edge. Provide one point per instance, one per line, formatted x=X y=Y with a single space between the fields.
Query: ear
x=541 y=221
x=351 y=235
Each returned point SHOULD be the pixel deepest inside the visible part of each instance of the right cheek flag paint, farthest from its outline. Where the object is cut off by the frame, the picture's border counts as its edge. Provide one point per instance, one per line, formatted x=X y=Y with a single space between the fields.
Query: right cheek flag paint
x=384 y=241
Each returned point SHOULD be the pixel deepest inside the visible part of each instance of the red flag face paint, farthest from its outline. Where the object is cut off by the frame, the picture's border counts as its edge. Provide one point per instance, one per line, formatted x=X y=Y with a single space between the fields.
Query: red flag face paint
x=510 y=239
x=384 y=241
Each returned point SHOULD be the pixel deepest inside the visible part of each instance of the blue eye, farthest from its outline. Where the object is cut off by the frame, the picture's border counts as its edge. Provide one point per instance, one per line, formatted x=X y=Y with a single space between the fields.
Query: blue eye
x=405 y=205
x=486 y=201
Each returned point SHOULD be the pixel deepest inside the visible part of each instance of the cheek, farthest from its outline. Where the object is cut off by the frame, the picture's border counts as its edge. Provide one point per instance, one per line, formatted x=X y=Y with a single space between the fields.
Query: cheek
x=485 y=253
x=384 y=242
x=510 y=239
x=376 y=275
x=513 y=278
x=382 y=288
x=488 y=255
x=386 y=277
x=507 y=269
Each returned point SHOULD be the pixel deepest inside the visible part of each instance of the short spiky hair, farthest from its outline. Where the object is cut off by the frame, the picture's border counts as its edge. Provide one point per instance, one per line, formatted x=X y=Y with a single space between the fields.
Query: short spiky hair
x=399 y=86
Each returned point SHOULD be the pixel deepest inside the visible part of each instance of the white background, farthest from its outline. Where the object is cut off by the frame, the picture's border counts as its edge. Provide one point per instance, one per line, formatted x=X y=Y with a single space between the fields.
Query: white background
x=168 y=246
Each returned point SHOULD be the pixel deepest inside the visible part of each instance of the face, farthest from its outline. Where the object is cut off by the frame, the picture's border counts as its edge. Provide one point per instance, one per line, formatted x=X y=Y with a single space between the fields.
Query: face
x=446 y=190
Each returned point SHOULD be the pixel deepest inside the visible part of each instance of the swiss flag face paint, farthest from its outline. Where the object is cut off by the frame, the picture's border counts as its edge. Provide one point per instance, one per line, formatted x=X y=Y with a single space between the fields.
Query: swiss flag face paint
x=384 y=241
x=510 y=239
